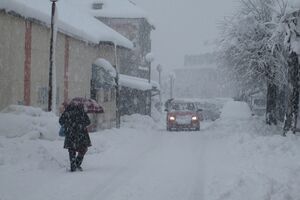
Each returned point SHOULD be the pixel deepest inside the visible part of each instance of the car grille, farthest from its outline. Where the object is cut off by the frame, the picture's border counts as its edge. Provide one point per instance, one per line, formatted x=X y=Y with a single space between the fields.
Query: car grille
x=186 y=119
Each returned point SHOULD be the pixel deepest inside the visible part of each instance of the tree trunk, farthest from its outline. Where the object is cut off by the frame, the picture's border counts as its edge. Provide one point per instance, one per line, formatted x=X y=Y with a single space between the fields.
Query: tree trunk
x=271 y=104
x=293 y=101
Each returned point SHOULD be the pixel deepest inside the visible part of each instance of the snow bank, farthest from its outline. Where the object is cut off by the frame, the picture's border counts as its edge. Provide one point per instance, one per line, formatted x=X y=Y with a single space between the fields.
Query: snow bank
x=236 y=110
x=262 y=164
x=29 y=137
x=140 y=122
x=34 y=123
x=26 y=121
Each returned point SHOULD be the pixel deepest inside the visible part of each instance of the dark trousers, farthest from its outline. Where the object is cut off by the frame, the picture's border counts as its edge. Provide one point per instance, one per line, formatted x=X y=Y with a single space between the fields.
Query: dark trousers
x=76 y=161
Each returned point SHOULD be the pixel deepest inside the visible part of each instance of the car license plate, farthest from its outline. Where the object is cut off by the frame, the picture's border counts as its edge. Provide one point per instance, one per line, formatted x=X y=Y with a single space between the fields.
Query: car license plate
x=183 y=119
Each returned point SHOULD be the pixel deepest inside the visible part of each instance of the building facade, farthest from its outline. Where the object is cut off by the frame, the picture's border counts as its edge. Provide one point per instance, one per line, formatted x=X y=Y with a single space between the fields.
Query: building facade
x=24 y=66
x=138 y=31
x=136 y=28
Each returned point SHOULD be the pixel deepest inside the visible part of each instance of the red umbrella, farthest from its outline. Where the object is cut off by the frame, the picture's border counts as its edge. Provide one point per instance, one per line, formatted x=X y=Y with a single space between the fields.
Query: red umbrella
x=90 y=104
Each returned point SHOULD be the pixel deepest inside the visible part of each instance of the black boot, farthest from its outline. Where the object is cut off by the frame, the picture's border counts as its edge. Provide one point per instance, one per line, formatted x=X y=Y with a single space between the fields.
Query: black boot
x=79 y=160
x=72 y=156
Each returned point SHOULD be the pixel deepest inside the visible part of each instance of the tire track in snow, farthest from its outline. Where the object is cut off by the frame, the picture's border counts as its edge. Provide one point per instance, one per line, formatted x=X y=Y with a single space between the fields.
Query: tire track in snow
x=125 y=172
x=173 y=169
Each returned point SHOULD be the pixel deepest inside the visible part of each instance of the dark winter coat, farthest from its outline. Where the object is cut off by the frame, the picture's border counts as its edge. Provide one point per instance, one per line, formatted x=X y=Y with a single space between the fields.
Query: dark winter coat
x=75 y=121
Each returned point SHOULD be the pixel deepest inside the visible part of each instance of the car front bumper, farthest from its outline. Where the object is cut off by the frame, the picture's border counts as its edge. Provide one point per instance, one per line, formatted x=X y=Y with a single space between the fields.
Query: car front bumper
x=176 y=126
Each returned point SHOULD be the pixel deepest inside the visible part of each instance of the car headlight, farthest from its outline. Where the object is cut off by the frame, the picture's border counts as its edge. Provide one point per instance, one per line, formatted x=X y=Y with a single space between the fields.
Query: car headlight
x=194 y=118
x=172 y=118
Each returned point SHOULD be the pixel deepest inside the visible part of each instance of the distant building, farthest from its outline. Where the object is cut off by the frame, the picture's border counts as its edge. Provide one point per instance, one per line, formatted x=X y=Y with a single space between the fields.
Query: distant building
x=199 y=60
x=131 y=22
x=199 y=78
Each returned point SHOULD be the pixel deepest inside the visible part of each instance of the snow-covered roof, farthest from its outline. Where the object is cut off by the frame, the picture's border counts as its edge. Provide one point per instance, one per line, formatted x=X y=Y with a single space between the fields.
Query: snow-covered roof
x=114 y=9
x=101 y=62
x=136 y=83
x=70 y=21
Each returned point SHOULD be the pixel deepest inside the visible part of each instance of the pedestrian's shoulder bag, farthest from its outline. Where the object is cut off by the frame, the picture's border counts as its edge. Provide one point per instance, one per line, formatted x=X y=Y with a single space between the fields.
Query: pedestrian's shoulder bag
x=62 y=132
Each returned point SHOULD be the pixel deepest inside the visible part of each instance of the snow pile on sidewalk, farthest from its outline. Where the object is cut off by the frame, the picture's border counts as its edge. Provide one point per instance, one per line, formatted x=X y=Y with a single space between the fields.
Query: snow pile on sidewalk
x=34 y=123
x=232 y=110
x=30 y=135
x=137 y=121
x=257 y=162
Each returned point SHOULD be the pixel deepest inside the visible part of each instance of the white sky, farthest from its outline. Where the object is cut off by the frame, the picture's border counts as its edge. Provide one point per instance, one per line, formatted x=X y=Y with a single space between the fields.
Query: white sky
x=183 y=27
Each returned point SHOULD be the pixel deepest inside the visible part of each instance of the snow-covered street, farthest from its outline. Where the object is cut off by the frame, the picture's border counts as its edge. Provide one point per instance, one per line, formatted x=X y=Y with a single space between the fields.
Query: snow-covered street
x=235 y=157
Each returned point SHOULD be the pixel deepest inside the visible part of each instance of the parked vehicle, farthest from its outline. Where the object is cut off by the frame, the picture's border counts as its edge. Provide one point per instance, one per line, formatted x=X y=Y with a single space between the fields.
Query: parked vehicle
x=258 y=104
x=183 y=115
x=210 y=111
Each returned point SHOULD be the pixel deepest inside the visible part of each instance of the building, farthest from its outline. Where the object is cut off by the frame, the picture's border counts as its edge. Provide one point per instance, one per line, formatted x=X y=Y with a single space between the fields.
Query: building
x=199 y=78
x=24 y=54
x=132 y=22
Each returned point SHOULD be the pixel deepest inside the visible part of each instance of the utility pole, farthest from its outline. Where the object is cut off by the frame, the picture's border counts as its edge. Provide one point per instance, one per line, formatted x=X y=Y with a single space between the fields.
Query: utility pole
x=172 y=78
x=118 y=114
x=150 y=92
x=51 y=58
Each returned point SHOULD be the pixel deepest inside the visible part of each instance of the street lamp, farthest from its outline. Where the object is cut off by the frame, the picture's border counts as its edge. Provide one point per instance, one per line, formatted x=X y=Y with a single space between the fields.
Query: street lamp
x=149 y=59
x=51 y=56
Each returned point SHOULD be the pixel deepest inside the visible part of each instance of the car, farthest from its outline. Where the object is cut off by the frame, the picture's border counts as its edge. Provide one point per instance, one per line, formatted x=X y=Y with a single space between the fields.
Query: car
x=210 y=110
x=257 y=104
x=182 y=115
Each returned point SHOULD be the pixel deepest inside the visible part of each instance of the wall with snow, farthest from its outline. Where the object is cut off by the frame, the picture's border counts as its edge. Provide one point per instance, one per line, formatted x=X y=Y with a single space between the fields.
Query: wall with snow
x=11 y=59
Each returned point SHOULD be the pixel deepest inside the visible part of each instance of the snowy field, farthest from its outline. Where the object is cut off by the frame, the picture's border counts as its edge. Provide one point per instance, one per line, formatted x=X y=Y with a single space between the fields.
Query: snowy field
x=235 y=157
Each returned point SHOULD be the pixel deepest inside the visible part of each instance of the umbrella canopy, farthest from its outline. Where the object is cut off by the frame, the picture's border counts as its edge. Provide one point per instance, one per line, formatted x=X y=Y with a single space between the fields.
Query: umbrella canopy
x=90 y=105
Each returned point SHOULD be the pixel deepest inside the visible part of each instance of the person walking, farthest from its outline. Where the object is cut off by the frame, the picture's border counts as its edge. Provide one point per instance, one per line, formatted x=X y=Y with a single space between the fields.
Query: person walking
x=77 y=140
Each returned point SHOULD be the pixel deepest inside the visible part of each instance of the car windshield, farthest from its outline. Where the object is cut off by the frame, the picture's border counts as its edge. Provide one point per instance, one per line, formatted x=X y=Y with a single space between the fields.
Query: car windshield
x=183 y=106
